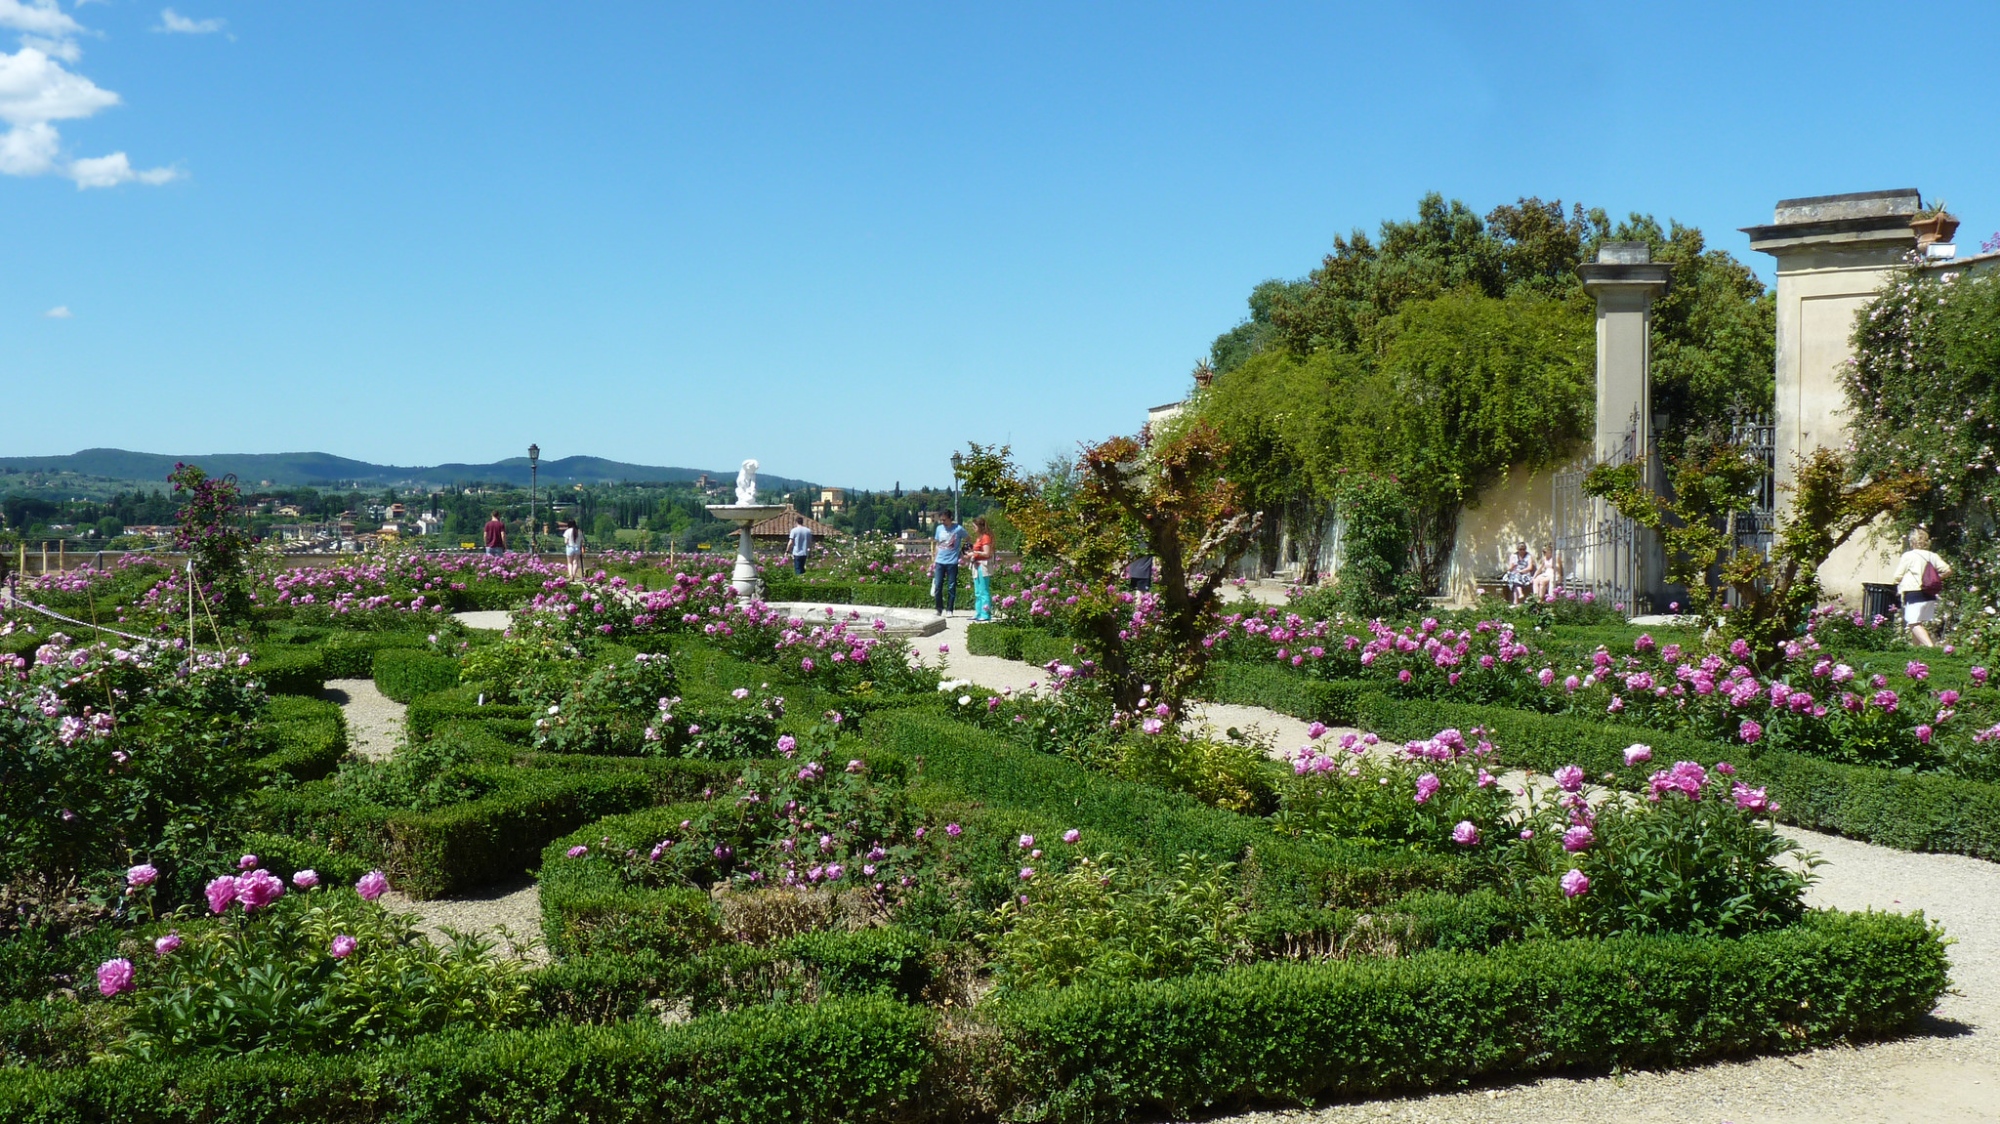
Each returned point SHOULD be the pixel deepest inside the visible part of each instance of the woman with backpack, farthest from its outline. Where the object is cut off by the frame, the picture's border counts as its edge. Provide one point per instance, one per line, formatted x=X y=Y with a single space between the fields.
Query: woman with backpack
x=1920 y=578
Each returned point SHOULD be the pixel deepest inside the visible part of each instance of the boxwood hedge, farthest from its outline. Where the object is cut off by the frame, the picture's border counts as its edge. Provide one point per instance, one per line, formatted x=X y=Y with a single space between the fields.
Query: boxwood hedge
x=403 y=674
x=311 y=736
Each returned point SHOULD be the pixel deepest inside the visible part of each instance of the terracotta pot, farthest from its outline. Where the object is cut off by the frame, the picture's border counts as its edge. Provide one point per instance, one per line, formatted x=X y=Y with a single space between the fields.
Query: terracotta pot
x=1934 y=228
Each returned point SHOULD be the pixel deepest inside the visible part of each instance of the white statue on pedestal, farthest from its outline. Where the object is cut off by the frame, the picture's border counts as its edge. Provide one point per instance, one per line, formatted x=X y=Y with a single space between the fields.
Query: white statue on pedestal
x=746 y=485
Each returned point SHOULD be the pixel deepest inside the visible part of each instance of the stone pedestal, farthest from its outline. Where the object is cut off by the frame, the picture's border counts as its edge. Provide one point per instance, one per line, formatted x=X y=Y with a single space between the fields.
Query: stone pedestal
x=1834 y=253
x=1624 y=279
x=744 y=578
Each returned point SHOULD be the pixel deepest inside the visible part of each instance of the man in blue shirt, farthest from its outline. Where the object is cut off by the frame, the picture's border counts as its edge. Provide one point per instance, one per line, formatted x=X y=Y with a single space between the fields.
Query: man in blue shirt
x=950 y=541
x=802 y=543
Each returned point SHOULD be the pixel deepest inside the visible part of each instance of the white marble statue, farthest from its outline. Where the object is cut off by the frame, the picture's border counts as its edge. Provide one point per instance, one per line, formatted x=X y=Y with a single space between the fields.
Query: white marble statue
x=746 y=485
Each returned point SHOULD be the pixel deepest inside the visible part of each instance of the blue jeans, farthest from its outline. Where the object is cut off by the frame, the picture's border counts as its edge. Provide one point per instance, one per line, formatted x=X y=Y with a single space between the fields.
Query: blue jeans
x=799 y=564
x=947 y=587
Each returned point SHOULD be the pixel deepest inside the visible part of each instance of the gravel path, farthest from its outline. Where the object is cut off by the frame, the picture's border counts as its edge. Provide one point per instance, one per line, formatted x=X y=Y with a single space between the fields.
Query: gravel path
x=498 y=620
x=374 y=720
x=509 y=915
x=374 y=728
x=1947 y=1070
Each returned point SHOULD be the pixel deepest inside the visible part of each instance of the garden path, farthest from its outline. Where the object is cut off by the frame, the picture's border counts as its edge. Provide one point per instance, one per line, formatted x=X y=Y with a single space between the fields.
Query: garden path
x=494 y=619
x=374 y=720
x=374 y=727
x=1948 y=1070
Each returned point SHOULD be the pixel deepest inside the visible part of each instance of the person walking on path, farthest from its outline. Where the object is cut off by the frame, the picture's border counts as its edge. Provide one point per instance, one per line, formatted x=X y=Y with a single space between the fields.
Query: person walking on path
x=982 y=570
x=496 y=535
x=802 y=544
x=1920 y=578
x=573 y=549
x=948 y=543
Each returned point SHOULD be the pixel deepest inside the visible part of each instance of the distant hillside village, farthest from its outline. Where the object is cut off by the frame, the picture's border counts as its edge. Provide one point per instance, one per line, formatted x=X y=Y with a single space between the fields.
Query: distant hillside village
x=34 y=511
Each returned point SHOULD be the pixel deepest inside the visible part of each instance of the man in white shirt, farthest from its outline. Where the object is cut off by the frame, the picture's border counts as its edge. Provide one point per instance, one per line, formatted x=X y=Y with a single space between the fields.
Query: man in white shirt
x=949 y=541
x=802 y=544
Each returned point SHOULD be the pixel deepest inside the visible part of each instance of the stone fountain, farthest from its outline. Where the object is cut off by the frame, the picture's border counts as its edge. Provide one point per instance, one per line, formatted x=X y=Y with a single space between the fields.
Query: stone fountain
x=745 y=513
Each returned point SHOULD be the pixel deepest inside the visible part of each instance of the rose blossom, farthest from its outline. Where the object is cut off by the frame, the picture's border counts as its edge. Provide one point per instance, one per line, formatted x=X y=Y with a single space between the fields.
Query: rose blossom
x=1466 y=834
x=1636 y=753
x=1569 y=778
x=343 y=946
x=372 y=885
x=220 y=892
x=306 y=879
x=114 y=977
x=1427 y=787
x=1575 y=882
x=258 y=889
x=145 y=874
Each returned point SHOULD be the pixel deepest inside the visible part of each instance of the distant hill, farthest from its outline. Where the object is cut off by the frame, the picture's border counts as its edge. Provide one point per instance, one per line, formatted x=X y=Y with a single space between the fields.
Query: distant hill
x=327 y=470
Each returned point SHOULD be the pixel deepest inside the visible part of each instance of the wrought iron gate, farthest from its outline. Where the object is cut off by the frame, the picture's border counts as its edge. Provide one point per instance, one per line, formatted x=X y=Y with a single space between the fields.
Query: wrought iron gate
x=1599 y=550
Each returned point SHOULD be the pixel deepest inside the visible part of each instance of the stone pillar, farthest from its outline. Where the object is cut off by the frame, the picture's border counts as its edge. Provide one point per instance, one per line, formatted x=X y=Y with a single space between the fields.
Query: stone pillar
x=1624 y=279
x=1834 y=253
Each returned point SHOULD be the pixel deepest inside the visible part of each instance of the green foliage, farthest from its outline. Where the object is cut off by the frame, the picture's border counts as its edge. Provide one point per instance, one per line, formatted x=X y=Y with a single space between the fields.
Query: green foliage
x=311 y=736
x=1232 y=775
x=1774 y=595
x=290 y=671
x=1923 y=393
x=1104 y=920
x=119 y=757
x=1394 y=801
x=1377 y=538
x=860 y=1061
x=458 y=846
x=210 y=529
x=1909 y=811
x=432 y=712
x=271 y=981
x=423 y=776
x=1287 y=692
x=403 y=674
x=1356 y=1027
x=351 y=655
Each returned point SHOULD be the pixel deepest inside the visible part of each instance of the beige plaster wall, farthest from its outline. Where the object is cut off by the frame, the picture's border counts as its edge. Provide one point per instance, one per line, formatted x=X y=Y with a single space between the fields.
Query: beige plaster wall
x=1517 y=508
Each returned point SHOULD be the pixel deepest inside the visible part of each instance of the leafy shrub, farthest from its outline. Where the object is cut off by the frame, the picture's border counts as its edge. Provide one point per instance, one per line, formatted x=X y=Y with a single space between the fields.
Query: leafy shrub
x=422 y=776
x=120 y=756
x=286 y=977
x=1287 y=692
x=403 y=674
x=601 y=707
x=1103 y=920
x=1421 y=797
x=1232 y=775
x=1698 y=856
x=431 y=712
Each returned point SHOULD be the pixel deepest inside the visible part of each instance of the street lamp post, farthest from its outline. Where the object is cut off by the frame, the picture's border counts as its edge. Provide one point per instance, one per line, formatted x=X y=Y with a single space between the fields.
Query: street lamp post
x=534 y=469
x=957 y=462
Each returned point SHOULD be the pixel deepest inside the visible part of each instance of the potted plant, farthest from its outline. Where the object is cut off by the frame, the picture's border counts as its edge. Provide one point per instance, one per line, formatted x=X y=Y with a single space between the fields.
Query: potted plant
x=1933 y=224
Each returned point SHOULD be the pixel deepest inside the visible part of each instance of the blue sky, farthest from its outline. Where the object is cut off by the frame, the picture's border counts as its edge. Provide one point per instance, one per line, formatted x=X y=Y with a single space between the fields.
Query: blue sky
x=844 y=239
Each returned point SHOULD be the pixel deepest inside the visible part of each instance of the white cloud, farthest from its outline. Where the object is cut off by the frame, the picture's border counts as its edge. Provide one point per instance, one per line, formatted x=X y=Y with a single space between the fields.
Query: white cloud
x=175 y=23
x=38 y=17
x=37 y=88
x=112 y=170
x=29 y=150
x=59 y=312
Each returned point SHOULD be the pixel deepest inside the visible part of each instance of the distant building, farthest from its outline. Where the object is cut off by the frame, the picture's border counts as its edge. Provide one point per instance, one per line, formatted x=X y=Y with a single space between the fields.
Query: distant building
x=832 y=501
x=779 y=527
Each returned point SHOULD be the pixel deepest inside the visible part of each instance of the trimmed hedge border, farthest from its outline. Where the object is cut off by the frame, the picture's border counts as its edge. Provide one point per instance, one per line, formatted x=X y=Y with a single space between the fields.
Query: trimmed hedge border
x=350 y=654
x=477 y=843
x=311 y=735
x=1287 y=692
x=429 y=712
x=860 y=1060
x=1364 y=1026
x=290 y=671
x=887 y=595
x=1285 y=1032
x=404 y=674
x=1030 y=645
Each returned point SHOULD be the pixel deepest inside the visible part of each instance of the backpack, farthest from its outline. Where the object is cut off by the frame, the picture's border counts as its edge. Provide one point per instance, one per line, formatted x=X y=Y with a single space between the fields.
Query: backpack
x=1932 y=583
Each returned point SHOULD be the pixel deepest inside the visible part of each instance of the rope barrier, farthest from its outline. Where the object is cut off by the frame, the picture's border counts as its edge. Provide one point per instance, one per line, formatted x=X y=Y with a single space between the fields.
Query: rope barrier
x=12 y=601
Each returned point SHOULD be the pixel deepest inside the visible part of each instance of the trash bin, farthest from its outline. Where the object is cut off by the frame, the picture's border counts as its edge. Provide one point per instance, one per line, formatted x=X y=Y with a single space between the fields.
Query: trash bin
x=1878 y=599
